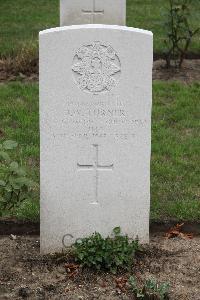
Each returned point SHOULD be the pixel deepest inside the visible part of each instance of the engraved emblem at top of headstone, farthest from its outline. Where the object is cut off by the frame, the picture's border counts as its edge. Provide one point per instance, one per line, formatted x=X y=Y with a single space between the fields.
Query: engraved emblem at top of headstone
x=96 y=68
x=76 y=12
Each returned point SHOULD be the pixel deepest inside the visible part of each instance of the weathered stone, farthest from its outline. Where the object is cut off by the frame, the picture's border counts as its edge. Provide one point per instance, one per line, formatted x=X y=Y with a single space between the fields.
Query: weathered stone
x=77 y=12
x=95 y=112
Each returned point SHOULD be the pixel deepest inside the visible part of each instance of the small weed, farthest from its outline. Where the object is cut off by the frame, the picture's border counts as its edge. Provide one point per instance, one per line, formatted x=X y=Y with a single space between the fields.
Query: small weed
x=15 y=186
x=110 y=253
x=151 y=290
x=24 y=62
x=179 y=31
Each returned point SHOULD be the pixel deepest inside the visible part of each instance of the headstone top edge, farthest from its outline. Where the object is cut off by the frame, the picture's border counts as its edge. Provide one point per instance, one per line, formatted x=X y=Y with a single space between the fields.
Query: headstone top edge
x=124 y=1
x=95 y=26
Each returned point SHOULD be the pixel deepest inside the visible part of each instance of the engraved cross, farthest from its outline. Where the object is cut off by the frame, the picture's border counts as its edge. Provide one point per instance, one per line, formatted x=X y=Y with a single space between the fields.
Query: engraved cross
x=93 y=12
x=97 y=168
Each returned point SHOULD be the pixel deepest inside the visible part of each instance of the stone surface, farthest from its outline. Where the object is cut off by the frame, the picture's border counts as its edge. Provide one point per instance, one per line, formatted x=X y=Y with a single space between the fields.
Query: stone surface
x=77 y=12
x=95 y=122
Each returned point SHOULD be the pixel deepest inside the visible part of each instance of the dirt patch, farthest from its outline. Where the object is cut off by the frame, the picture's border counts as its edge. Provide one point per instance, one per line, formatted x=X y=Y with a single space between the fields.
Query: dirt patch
x=11 y=70
x=24 y=273
x=19 y=227
x=14 y=226
x=189 y=72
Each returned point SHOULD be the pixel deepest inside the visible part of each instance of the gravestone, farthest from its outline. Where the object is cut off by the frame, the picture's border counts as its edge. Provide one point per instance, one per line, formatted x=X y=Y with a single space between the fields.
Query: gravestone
x=76 y=12
x=95 y=124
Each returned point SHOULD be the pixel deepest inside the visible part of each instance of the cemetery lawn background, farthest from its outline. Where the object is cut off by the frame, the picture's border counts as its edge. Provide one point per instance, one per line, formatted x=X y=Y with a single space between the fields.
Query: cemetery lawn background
x=175 y=165
x=21 y=21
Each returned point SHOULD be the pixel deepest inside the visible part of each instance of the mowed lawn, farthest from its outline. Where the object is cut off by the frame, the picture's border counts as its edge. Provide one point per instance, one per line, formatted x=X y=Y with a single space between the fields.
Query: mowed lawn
x=175 y=167
x=21 y=20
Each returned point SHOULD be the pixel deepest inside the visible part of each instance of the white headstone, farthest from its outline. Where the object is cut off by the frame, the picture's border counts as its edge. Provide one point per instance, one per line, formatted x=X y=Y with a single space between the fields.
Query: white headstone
x=95 y=112
x=76 y=12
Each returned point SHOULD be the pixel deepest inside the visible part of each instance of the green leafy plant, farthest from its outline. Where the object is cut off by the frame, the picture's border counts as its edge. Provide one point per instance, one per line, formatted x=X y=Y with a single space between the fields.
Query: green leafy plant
x=179 y=31
x=109 y=253
x=151 y=290
x=15 y=186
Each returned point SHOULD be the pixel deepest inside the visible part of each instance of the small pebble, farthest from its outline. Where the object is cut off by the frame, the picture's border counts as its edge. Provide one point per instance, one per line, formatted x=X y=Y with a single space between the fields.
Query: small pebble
x=24 y=291
x=13 y=237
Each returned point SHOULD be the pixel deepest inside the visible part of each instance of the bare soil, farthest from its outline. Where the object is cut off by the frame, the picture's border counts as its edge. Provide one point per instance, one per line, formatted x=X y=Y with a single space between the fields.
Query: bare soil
x=12 y=225
x=25 y=274
x=189 y=72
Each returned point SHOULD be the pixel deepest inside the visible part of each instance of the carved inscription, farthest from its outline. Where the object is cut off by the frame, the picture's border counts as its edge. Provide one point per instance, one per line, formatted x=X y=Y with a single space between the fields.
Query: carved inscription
x=103 y=120
x=100 y=120
x=96 y=68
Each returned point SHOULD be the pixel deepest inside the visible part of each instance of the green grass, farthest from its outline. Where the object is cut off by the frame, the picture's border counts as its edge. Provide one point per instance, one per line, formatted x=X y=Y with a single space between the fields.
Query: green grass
x=175 y=172
x=148 y=14
x=19 y=121
x=21 y=20
x=175 y=167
